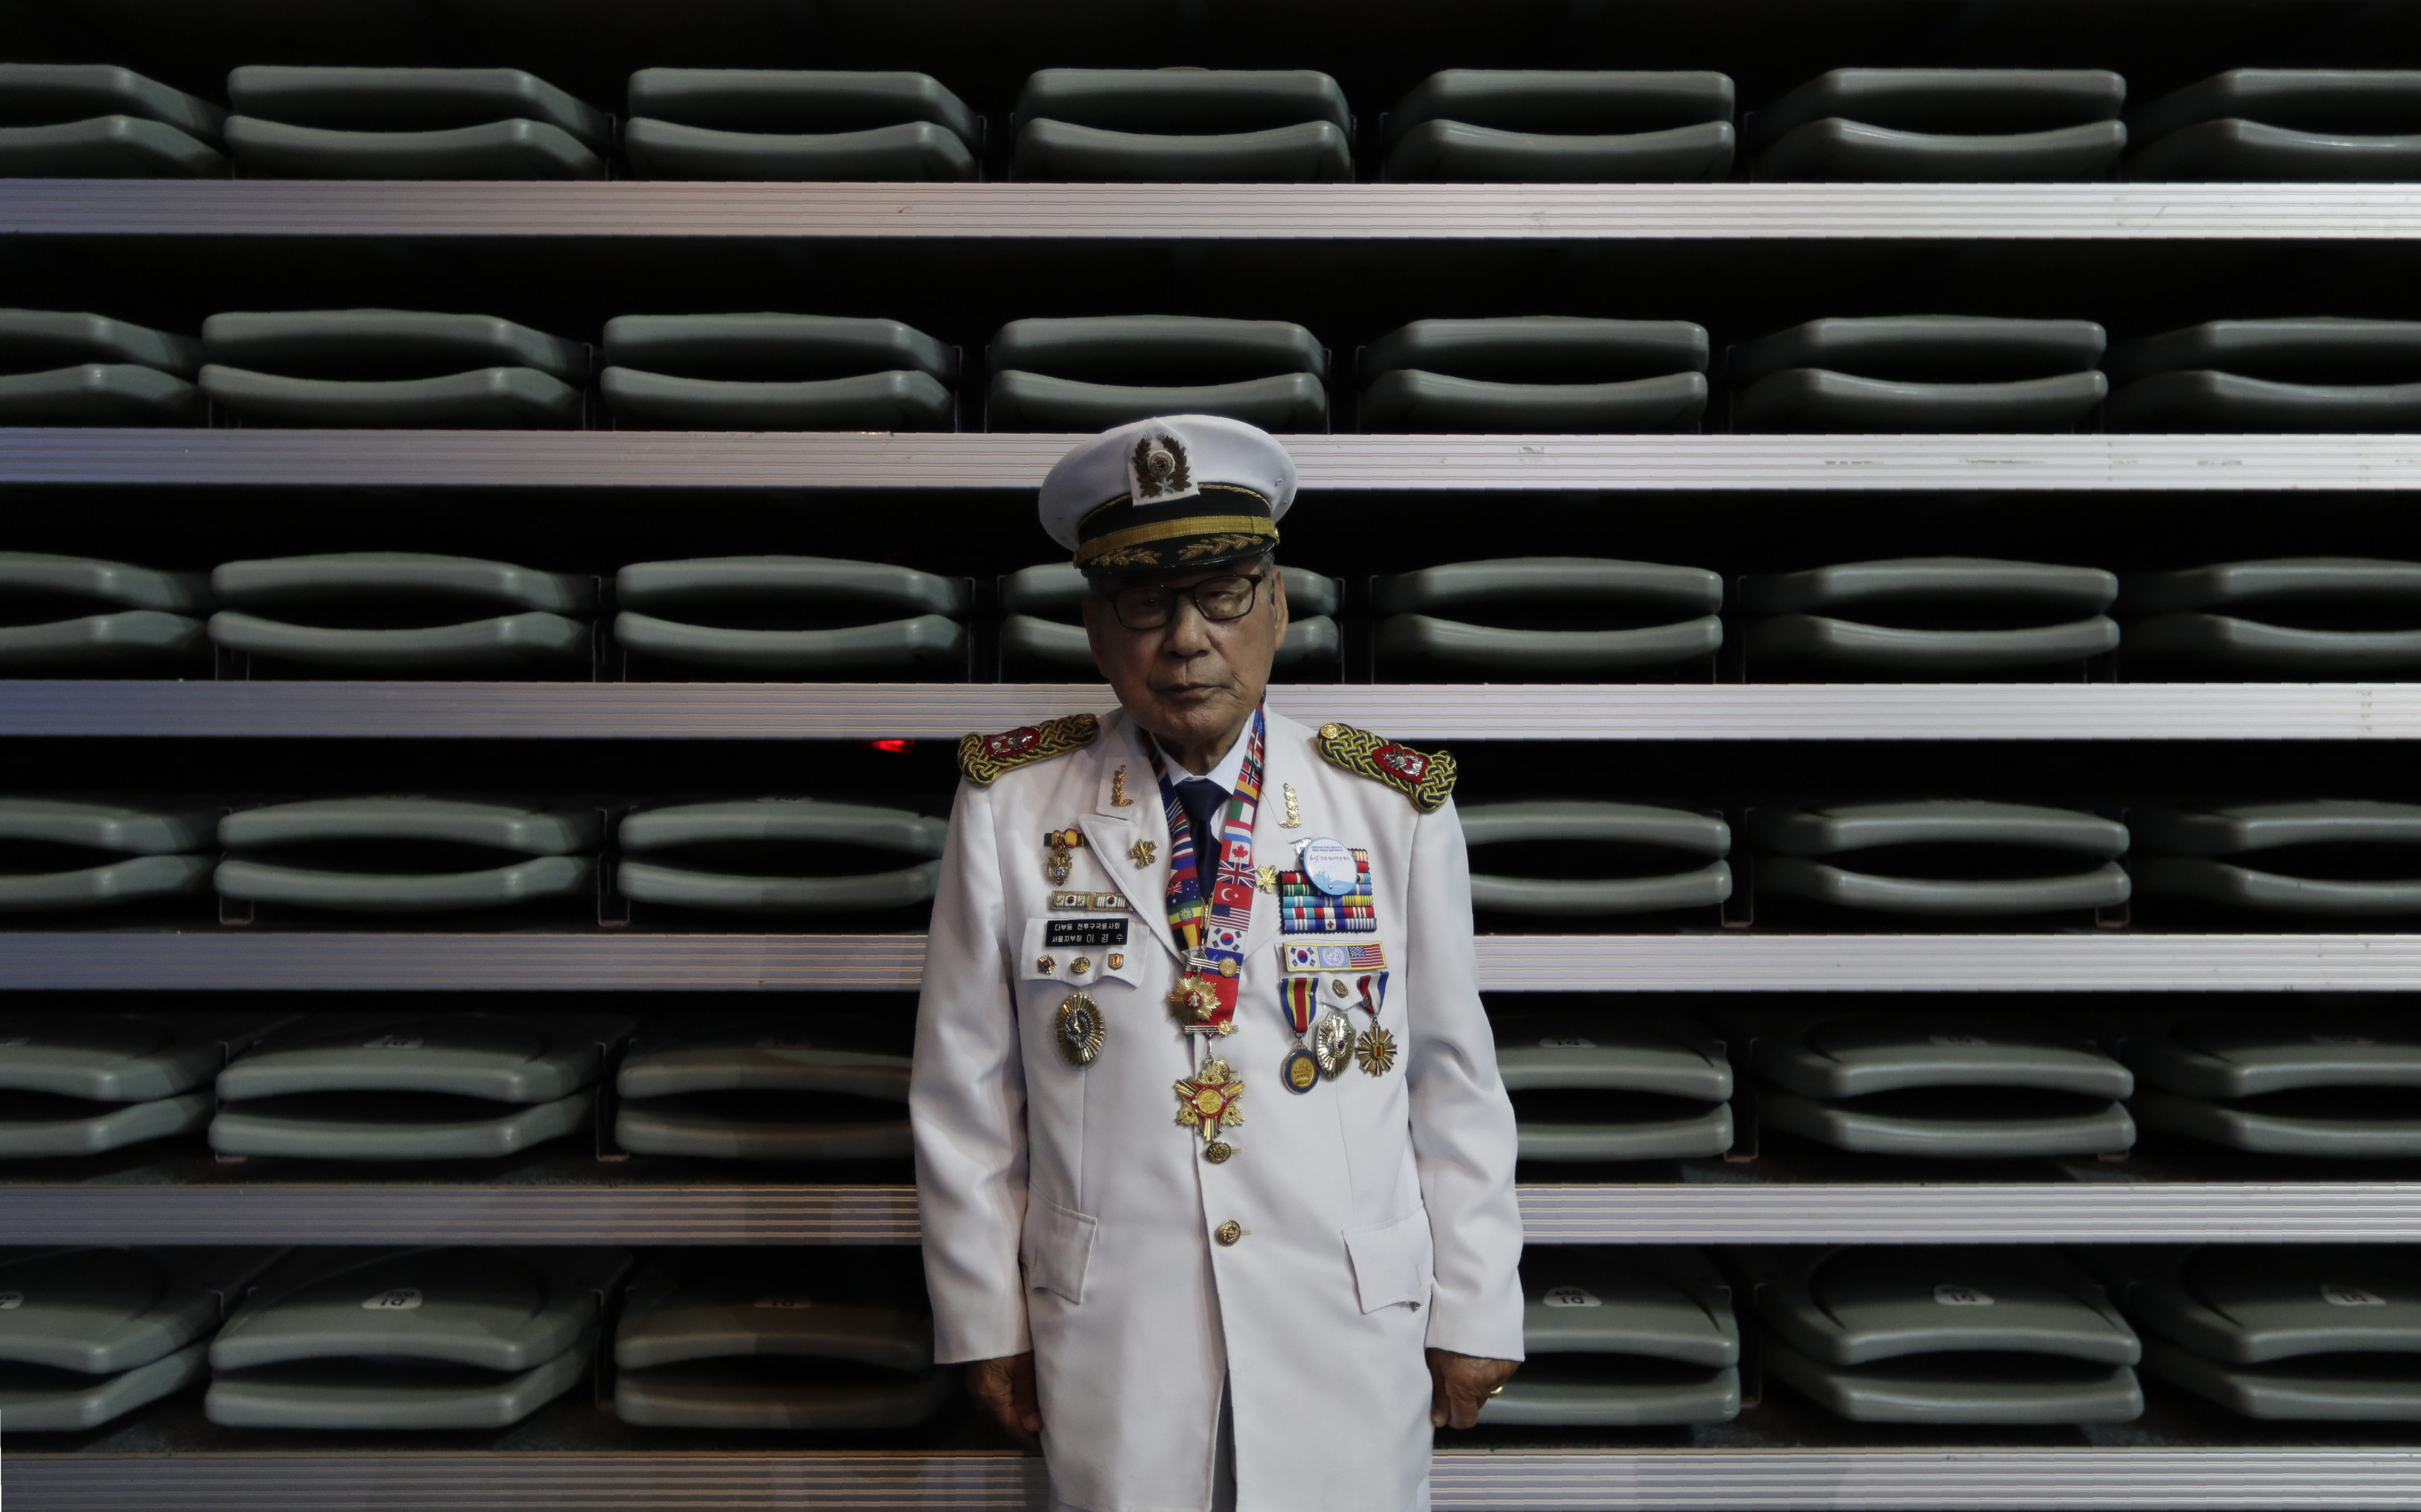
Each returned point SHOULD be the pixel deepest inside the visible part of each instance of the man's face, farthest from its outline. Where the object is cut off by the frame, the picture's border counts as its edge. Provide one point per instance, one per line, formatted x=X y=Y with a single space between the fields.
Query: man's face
x=1192 y=679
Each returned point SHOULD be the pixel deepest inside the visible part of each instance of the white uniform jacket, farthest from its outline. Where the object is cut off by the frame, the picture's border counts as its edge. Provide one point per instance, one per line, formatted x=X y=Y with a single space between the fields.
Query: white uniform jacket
x=1065 y=1210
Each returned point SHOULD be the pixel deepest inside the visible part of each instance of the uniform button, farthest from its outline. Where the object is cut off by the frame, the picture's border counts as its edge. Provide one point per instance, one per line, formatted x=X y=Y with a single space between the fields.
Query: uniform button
x=1229 y=1232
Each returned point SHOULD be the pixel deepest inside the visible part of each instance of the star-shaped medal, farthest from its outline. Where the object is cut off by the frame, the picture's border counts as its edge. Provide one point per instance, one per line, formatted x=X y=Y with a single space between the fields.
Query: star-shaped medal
x=1266 y=876
x=1208 y=1099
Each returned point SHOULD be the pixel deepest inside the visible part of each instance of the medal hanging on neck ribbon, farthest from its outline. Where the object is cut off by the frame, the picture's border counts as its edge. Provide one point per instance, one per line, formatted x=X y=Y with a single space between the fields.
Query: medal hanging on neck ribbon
x=1210 y=932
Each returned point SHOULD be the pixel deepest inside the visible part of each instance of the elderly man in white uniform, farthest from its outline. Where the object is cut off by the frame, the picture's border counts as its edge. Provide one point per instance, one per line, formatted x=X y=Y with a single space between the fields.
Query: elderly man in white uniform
x=1214 y=1166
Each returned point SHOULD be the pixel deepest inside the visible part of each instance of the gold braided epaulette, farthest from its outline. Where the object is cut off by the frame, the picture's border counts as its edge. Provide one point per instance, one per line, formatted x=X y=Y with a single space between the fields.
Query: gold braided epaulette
x=983 y=758
x=1425 y=777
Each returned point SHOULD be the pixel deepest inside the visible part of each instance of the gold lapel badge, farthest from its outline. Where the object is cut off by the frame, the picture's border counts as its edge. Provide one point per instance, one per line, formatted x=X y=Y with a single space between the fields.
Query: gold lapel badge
x=1210 y=1101
x=1266 y=874
x=1079 y=1030
x=1062 y=846
x=1118 y=798
x=1293 y=819
x=1144 y=851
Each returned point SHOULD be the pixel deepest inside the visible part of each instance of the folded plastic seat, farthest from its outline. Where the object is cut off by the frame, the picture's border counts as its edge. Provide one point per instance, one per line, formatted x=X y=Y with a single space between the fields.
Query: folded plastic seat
x=831 y=1087
x=1919 y=373
x=67 y=855
x=1544 y=620
x=408 y=855
x=1042 y=633
x=2293 y=1332
x=2330 y=858
x=1599 y=1086
x=84 y=1083
x=96 y=120
x=1183 y=126
x=63 y=367
x=1561 y=126
x=416 y=1339
x=780 y=855
x=1941 y=858
x=1621 y=1336
x=2295 y=618
x=2315 y=373
x=801 y=617
x=826 y=1339
x=1594 y=858
x=1537 y=373
x=412 y=1087
x=2329 y=1085
x=776 y=372
x=2308 y=124
x=392 y=369
x=795 y=124
x=311 y=122
x=89 y=1335
x=372 y=611
x=76 y=615
x=1094 y=372
x=1928 y=618
x=1924 y=1333
x=1942 y=125
x=1943 y=1086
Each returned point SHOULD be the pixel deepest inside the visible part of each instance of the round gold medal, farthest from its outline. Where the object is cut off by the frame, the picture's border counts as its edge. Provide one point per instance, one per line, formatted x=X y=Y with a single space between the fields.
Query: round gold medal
x=1079 y=1030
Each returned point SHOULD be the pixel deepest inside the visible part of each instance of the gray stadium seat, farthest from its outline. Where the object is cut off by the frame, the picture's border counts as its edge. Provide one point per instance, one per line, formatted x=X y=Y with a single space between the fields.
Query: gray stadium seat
x=59 y=368
x=391 y=368
x=839 y=1339
x=2316 y=373
x=1797 y=846
x=90 y=1335
x=117 y=613
x=1942 y=1086
x=827 y=1088
x=1183 y=126
x=2330 y=1085
x=834 y=617
x=1921 y=1334
x=1042 y=632
x=1610 y=836
x=776 y=372
x=95 y=120
x=2182 y=848
x=83 y=1083
x=136 y=853
x=1552 y=126
x=1539 y=373
x=1614 y=1087
x=2296 y=1333
x=555 y=843
x=1545 y=619
x=779 y=855
x=1942 y=125
x=1919 y=373
x=1621 y=1337
x=408 y=1339
x=406 y=585
x=449 y=1087
x=2298 y=616
x=302 y=122
x=2303 y=124
x=797 y=124
x=1093 y=372
x=1928 y=618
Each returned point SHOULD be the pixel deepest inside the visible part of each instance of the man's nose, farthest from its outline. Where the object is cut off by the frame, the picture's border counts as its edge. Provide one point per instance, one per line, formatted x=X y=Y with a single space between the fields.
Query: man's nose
x=1188 y=633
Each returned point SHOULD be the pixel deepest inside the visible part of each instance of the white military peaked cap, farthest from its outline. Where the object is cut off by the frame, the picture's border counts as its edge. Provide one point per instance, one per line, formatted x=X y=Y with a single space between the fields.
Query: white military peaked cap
x=1170 y=494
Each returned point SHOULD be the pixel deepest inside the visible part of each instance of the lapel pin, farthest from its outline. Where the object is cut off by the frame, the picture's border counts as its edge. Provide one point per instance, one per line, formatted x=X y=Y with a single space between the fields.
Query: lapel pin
x=1144 y=851
x=1118 y=798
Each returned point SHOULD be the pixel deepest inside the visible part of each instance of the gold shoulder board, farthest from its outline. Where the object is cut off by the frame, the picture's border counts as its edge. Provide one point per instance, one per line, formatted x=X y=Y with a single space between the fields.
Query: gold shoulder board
x=983 y=758
x=1425 y=777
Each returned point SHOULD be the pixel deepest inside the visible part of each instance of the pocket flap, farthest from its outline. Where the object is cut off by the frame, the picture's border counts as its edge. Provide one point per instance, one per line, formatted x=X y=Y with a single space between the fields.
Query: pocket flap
x=1391 y=1263
x=1058 y=1249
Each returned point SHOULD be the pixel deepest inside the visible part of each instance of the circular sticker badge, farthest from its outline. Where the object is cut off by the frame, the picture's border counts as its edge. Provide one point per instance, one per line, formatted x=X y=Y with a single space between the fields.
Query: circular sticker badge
x=1330 y=865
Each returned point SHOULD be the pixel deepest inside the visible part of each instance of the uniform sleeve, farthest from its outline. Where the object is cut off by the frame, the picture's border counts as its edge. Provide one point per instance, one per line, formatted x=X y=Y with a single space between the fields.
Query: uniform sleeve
x=966 y=1100
x=1462 y=1123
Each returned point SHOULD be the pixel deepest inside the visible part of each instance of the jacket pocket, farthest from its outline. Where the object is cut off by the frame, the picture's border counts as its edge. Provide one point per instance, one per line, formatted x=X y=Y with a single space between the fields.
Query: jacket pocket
x=1391 y=1263
x=1058 y=1249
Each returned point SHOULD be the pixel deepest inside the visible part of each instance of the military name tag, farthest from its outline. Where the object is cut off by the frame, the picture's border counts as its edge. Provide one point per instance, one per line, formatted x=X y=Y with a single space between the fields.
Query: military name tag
x=1063 y=934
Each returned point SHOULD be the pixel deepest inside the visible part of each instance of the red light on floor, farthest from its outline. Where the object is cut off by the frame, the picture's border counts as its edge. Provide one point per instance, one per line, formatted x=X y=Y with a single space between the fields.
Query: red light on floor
x=895 y=747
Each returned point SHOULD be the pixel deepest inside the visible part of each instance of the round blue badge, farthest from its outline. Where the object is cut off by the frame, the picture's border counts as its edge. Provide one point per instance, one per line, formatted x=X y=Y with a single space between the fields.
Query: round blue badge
x=1330 y=866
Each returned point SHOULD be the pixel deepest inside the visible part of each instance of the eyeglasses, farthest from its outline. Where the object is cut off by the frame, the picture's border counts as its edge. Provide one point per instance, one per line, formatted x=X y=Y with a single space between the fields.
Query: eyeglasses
x=1220 y=599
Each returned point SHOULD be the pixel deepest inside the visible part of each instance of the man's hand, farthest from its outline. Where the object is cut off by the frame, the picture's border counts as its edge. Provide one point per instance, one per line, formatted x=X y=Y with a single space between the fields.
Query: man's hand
x=1460 y=1382
x=1006 y=1385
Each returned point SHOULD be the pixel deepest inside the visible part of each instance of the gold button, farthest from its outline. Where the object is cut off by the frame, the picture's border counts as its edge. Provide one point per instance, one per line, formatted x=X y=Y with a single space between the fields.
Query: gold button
x=1217 y=1151
x=1229 y=1232
x=1081 y=965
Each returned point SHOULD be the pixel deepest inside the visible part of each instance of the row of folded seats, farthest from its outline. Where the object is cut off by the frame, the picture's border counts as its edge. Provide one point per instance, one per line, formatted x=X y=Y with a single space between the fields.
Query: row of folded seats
x=1538 y=859
x=825 y=1339
x=1200 y=125
x=1958 y=1084
x=1515 y=619
x=1518 y=374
